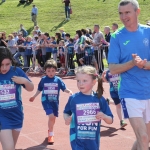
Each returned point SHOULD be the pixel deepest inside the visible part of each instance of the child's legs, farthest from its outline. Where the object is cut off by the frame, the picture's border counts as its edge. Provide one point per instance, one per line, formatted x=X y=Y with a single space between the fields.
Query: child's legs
x=118 y=108
x=51 y=122
x=119 y=111
x=55 y=56
x=8 y=139
x=15 y=134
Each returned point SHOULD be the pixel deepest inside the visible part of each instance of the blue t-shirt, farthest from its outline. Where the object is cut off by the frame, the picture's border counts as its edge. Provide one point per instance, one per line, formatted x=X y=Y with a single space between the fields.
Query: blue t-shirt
x=113 y=81
x=48 y=49
x=84 y=127
x=11 y=114
x=50 y=88
x=54 y=49
x=88 y=55
x=28 y=50
x=135 y=82
x=70 y=48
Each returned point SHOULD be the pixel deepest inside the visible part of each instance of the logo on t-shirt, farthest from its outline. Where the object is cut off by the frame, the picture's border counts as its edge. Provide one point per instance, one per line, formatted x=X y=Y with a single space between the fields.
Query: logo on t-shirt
x=125 y=43
x=146 y=42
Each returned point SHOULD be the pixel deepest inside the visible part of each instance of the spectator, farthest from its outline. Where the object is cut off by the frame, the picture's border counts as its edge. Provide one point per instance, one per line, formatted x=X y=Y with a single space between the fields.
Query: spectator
x=21 y=51
x=114 y=27
x=12 y=44
x=34 y=13
x=67 y=8
x=98 y=37
x=24 y=32
x=3 y=41
x=62 y=32
x=107 y=38
x=15 y=34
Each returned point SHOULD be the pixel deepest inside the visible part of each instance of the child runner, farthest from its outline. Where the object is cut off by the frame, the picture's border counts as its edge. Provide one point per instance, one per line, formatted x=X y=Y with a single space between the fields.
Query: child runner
x=11 y=114
x=50 y=86
x=85 y=110
x=113 y=81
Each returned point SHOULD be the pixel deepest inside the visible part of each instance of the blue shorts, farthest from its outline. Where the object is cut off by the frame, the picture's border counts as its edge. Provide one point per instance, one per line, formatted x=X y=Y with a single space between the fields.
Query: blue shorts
x=51 y=111
x=116 y=100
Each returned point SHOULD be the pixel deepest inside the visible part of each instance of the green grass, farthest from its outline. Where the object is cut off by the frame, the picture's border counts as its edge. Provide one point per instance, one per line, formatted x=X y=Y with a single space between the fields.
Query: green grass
x=51 y=15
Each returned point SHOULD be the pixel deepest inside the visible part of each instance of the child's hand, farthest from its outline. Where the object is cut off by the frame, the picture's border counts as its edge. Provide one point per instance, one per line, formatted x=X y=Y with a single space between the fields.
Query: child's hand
x=104 y=76
x=68 y=120
x=100 y=116
x=31 y=99
x=19 y=80
x=71 y=93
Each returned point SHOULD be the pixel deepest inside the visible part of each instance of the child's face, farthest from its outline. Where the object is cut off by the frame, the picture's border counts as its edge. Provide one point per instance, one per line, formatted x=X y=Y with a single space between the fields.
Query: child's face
x=29 y=39
x=50 y=72
x=85 y=83
x=5 y=66
x=61 y=43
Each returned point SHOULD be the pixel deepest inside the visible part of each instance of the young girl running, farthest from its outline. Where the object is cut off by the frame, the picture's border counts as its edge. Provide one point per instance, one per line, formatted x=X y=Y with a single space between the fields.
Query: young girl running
x=50 y=86
x=11 y=114
x=85 y=110
x=113 y=81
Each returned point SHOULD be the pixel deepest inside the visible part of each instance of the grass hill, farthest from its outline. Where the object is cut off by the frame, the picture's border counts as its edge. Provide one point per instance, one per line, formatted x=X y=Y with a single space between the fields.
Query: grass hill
x=51 y=15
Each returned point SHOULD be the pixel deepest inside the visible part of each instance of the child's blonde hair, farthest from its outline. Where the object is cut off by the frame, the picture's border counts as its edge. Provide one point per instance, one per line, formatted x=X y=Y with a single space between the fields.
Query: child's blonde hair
x=93 y=73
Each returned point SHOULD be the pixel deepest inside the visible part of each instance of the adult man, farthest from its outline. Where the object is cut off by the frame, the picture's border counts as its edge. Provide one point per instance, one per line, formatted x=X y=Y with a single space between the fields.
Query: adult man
x=21 y=51
x=107 y=38
x=114 y=27
x=67 y=8
x=98 y=37
x=129 y=56
x=34 y=13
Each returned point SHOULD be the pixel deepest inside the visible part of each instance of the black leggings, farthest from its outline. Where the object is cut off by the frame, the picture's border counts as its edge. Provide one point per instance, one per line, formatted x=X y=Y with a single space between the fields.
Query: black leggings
x=48 y=55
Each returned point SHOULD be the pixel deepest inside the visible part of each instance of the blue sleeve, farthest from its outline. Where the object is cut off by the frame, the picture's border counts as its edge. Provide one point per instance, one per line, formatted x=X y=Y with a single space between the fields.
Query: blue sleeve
x=21 y=73
x=67 y=109
x=114 y=51
x=62 y=85
x=104 y=107
x=40 y=85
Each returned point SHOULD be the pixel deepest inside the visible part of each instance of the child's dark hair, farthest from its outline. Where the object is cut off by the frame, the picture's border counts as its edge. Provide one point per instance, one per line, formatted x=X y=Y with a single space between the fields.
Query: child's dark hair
x=92 y=72
x=83 y=31
x=5 y=53
x=46 y=34
x=53 y=37
x=79 y=33
x=67 y=35
x=71 y=40
x=50 y=64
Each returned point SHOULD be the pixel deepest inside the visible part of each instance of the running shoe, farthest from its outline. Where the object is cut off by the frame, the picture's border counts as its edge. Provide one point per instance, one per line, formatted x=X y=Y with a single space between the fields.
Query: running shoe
x=123 y=123
x=50 y=139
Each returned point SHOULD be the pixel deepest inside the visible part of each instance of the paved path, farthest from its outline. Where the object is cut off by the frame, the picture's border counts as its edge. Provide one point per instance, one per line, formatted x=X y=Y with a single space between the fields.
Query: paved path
x=34 y=132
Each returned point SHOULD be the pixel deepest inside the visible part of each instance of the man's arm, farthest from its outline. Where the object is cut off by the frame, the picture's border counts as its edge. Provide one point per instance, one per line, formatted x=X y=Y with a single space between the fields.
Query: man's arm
x=120 y=68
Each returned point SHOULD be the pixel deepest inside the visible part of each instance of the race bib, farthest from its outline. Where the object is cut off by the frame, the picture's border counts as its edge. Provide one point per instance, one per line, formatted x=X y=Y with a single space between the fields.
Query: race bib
x=51 y=90
x=114 y=79
x=7 y=96
x=86 y=113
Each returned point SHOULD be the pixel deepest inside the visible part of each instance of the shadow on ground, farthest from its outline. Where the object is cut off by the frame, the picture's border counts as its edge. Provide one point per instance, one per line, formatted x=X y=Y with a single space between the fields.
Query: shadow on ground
x=42 y=146
x=59 y=25
x=30 y=30
x=1 y=3
x=110 y=131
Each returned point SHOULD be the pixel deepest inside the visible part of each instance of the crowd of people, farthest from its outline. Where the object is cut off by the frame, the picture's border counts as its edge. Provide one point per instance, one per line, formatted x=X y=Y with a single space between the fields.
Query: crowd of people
x=127 y=51
x=85 y=48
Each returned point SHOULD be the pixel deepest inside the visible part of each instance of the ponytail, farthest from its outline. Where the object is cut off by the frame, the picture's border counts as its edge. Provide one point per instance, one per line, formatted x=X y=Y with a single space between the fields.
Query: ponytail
x=100 y=88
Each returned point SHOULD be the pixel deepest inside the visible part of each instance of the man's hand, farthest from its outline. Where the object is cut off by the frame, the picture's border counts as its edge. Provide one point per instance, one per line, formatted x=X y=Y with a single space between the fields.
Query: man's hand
x=138 y=61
